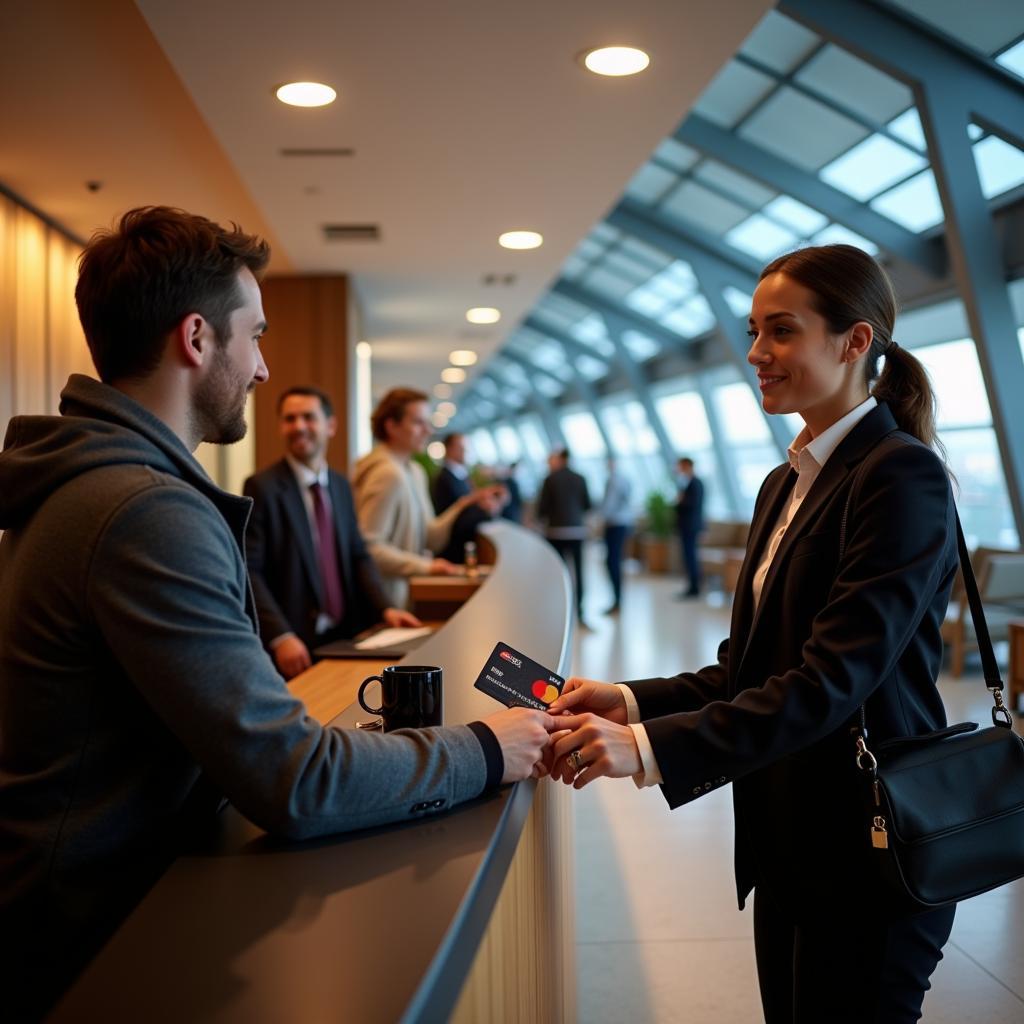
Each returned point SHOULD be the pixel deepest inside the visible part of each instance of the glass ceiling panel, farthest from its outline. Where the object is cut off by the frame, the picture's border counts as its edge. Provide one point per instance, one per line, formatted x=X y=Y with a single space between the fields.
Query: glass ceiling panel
x=733 y=93
x=625 y=263
x=987 y=25
x=738 y=301
x=871 y=166
x=849 y=81
x=654 y=258
x=699 y=205
x=650 y=183
x=486 y=386
x=838 y=233
x=908 y=128
x=548 y=387
x=1013 y=59
x=802 y=130
x=573 y=267
x=761 y=238
x=692 y=318
x=746 y=190
x=915 y=204
x=511 y=372
x=590 y=330
x=779 y=42
x=1000 y=166
x=676 y=155
x=591 y=369
x=795 y=215
x=611 y=285
x=640 y=346
x=605 y=233
x=559 y=311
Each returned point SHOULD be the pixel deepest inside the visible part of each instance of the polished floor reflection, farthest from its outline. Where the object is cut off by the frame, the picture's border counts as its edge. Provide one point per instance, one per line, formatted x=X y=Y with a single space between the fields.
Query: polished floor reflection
x=658 y=934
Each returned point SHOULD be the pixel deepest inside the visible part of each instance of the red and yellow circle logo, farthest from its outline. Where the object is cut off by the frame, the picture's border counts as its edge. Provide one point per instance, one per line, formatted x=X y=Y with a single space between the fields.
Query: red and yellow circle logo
x=544 y=691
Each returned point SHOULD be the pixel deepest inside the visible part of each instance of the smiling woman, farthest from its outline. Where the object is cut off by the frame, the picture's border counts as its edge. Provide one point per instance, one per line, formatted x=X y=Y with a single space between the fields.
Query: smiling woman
x=814 y=639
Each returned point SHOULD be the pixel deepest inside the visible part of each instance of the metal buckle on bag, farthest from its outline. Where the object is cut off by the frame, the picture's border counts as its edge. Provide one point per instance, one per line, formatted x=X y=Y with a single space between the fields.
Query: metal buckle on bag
x=865 y=759
x=1000 y=713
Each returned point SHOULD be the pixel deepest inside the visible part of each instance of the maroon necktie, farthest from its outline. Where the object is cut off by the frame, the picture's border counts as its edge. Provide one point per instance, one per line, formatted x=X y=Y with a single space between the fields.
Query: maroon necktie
x=334 y=603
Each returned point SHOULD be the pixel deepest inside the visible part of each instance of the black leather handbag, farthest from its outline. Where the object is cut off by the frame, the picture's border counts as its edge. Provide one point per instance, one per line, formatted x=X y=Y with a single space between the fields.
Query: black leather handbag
x=944 y=812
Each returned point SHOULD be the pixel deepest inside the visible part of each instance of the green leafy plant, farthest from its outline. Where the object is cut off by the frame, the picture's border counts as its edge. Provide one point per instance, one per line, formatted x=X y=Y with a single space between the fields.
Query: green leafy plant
x=660 y=515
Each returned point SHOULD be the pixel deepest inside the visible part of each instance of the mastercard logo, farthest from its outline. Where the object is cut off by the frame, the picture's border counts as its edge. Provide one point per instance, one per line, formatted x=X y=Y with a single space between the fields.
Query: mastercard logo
x=544 y=691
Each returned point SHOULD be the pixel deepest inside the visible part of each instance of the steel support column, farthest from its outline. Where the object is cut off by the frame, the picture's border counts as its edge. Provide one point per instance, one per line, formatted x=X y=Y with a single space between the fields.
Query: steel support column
x=950 y=85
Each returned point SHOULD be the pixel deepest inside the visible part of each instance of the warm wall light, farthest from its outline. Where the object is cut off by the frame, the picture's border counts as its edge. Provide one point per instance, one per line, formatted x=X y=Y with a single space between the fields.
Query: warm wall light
x=616 y=61
x=436 y=450
x=439 y=420
x=453 y=375
x=446 y=409
x=306 y=94
x=443 y=390
x=363 y=350
x=462 y=357
x=483 y=315
x=521 y=240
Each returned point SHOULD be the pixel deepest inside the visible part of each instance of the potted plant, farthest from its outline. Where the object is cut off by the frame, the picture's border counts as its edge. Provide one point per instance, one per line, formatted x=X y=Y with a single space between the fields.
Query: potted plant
x=657 y=532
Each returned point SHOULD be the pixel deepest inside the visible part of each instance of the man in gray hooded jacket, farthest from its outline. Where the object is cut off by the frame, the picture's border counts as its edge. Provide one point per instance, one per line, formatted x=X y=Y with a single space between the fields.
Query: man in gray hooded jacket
x=134 y=691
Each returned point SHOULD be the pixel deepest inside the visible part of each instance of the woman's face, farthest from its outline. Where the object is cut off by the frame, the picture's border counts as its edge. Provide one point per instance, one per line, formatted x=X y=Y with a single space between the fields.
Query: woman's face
x=801 y=366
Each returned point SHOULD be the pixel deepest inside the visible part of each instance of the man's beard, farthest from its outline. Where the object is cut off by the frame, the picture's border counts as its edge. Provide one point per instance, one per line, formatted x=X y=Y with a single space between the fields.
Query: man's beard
x=219 y=407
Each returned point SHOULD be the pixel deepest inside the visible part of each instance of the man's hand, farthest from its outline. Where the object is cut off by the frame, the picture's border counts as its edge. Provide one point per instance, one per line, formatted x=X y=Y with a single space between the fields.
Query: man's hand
x=491 y=498
x=399 y=617
x=523 y=736
x=291 y=656
x=581 y=696
x=442 y=567
x=604 y=749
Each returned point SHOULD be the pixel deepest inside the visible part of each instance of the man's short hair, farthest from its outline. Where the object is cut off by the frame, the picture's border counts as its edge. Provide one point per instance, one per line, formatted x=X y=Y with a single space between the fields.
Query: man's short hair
x=449 y=438
x=307 y=391
x=686 y=459
x=137 y=281
x=562 y=453
x=392 y=407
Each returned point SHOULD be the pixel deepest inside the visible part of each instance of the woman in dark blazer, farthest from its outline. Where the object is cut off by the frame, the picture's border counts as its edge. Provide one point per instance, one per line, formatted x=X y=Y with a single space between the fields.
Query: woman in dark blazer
x=814 y=635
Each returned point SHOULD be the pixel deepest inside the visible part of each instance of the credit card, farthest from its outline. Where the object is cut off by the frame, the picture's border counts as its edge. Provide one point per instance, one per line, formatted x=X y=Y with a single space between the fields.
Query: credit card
x=518 y=681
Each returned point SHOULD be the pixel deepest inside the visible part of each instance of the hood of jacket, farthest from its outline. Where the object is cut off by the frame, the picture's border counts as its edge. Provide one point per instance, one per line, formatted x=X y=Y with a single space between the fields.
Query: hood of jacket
x=97 y=426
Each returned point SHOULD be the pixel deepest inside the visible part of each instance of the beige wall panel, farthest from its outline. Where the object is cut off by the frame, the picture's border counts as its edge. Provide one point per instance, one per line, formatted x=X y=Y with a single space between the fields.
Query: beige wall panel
x=7 y=256
x=30 y=354
x=68 y=351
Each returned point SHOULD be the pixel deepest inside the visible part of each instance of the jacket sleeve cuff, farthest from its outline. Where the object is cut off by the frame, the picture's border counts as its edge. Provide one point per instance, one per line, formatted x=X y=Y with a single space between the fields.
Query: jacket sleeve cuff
x=650 y=773
x=493 y=756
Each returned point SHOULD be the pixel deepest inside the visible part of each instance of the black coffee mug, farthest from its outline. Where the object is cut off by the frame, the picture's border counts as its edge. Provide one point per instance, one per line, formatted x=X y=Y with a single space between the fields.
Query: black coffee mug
x=410 y=696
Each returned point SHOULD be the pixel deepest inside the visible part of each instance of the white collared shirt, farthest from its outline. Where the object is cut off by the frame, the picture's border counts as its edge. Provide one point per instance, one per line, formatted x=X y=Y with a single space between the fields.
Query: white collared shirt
x=457 y=469
x=807 y=456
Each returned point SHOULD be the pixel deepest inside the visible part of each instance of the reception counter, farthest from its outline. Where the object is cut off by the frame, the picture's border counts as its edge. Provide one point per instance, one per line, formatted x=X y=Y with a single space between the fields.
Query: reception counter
x=465 y=916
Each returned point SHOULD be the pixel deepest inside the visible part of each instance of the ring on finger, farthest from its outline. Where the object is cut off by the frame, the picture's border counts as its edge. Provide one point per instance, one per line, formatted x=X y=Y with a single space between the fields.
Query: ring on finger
x=575 y=760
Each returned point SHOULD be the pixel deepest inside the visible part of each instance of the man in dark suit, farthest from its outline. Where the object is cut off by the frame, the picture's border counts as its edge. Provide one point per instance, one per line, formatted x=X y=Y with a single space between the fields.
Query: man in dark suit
x=690 y=522
x=561 y=506
x=451 y=483
x=312 y=576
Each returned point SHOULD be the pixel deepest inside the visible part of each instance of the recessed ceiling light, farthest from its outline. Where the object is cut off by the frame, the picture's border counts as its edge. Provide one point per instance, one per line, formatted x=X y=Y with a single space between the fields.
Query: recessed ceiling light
x=521 y=240
x=306 y=94
x=453 y=375
x=462 y=357
x=446 y=409
x=436 y=448
x=443 y=390
x=616 y=61
x=483 y=315
x=363 y=350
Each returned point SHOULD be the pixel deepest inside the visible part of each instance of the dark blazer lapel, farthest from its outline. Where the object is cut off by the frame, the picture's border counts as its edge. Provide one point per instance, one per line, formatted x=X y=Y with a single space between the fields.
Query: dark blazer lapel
x=777 y=493
x=341 y=529
x=298 y=522
x=850 y=451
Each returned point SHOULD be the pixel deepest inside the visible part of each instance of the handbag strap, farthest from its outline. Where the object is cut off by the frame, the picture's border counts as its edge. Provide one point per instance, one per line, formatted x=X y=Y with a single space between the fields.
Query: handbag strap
x=993 y=679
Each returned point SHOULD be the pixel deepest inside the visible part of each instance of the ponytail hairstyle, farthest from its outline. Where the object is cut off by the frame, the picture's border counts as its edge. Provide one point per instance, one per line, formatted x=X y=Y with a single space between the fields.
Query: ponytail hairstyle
x=849 y=287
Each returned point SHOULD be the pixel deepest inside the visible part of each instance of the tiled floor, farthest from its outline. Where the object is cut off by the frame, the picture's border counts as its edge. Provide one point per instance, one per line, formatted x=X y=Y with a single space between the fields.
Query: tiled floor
x=659 y=936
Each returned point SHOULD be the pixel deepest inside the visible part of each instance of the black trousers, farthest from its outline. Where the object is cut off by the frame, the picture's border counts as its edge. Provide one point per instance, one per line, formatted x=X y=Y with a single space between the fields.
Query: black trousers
x=848 y=966
x=688 y=542
x=572 y=554
x=615 y=542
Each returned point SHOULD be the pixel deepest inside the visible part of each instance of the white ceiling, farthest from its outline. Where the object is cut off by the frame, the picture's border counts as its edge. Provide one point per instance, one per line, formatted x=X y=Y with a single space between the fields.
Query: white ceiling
x=467 y=117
